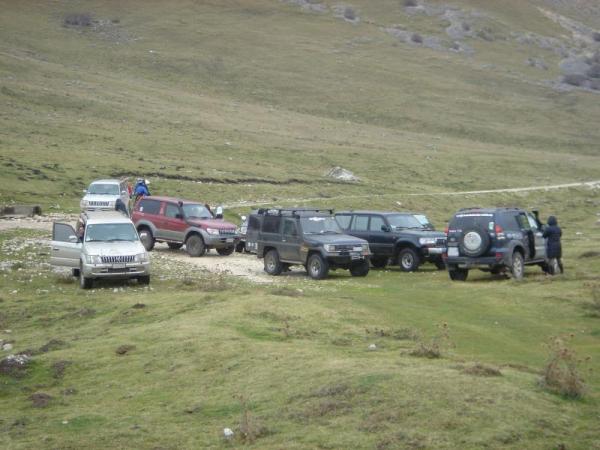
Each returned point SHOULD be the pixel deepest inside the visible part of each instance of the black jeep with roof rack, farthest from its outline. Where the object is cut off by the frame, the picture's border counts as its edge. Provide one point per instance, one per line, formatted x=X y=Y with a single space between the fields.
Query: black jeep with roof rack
x=311 y=238
x=495 y=240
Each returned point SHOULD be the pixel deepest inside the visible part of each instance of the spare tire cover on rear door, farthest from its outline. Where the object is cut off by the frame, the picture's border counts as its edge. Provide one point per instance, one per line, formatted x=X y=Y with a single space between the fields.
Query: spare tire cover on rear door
x=474 y=242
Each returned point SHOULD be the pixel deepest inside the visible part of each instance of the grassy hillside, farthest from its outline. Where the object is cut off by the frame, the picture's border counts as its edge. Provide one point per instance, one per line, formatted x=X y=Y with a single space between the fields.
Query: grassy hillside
x=268 y=91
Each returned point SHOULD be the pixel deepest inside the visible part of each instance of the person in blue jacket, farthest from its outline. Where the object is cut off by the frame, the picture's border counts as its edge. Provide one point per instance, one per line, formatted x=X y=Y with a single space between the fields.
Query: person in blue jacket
x=553 y=233
x=140 y=189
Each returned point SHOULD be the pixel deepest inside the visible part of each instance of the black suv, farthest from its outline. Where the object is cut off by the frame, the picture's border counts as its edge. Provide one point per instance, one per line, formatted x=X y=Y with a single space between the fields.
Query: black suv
x=308 y=237
x=495 y=240
x=409 y=239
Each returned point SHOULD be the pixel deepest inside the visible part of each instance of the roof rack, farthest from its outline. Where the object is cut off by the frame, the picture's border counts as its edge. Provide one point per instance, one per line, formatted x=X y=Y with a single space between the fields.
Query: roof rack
x=292 y=211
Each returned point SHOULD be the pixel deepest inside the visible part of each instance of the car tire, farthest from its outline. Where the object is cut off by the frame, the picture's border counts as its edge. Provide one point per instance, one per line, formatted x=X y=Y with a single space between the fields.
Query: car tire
x=408 y=260
x=379 y=262
x=194 y=245
x=240 y=247
x=360 y=269
x=317 y=267
x=147 y=238
x=474 y=242
x=553 y=266
x=174 y=245
x=272 y=263
x=457 y=274
x=75 y=273
x=145 y=280
x=85 y=282
x=517 y=266
x=225 y=251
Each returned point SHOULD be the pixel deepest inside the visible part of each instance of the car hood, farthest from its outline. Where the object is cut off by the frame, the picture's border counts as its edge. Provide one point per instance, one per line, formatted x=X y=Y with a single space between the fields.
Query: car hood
x=422 y=233
x=118 y=248
x=100 y=198
x=212 y=223
x=334 y=239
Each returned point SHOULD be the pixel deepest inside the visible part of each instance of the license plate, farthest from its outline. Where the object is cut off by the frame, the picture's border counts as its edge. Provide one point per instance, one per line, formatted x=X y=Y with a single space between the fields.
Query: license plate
x=229 y=240
x=356 y=256
x=453 y=251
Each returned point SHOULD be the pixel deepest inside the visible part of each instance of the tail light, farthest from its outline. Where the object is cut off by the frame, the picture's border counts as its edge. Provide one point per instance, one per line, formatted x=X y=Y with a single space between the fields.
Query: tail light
x=446 y=231
x=498 y=256
x=498 y=229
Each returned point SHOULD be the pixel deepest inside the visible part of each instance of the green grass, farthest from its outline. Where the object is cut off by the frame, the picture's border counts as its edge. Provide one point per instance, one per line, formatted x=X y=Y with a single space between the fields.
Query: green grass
x=232 y=102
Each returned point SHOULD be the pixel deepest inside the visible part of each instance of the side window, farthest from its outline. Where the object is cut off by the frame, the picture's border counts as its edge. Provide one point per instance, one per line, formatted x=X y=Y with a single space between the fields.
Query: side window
x=360 y=223
x=61 y=232
x=344 y=220
x=271 y=224
x=172 y=210
x=376 y=223
x=149 y=206
x=523 y=222
x=289 y=228
x=253 y=223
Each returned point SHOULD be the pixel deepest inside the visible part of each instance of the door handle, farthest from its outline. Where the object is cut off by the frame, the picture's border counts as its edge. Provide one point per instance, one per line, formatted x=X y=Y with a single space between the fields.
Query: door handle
x=55 y=249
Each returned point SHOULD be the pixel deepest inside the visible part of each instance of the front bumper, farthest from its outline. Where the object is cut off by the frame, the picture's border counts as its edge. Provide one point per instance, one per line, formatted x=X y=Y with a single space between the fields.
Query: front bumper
x=219 y=241
x=347 y=258
x=129 y=270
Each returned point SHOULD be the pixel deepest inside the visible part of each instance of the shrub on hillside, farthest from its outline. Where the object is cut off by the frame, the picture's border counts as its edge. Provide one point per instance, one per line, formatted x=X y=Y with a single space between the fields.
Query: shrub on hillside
x=594 y=71
x=78 y=20
x=410 y=3
x=417 y=38
x=561 y=374
x=436 y=347
x=575 y=79
x=349 y=13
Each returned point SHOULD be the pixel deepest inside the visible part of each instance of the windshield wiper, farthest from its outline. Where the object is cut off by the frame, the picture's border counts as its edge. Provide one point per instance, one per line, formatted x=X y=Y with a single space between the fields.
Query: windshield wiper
x=329 y=231
x=115 y=240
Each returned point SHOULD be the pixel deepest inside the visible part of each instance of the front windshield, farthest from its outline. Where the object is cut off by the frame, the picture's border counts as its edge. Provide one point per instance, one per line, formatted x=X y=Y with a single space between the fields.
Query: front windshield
x=422 y=218
x=320 y=225
x=196 y=211
x=110 y=232
x=405 y=221
x=103 y=189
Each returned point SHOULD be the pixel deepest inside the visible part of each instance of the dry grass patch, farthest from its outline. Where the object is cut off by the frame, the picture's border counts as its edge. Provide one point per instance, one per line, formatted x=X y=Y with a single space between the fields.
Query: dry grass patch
x=561 y=374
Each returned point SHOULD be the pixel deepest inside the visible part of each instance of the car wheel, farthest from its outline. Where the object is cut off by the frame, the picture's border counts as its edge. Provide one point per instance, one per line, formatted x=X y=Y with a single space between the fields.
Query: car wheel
x=379 y=262
x=225 y=251
x=360 y=269
x=458 y=274
x=144 y=279
x=85 y=282
x=273 y=265
x=240 y=247
x=75 y=273
x=517 y=267
x=408 y=260
x=317 y=267
x=194 y=245
x=174 y=245
x=553 y=267
x=147 y=239
x=440 y=265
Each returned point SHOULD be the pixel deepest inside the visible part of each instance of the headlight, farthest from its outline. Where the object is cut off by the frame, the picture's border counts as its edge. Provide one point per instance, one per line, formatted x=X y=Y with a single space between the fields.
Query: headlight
x=93 y=259
x=427 y=241
x=142 y=257
x=213 y=231
x=330 y=248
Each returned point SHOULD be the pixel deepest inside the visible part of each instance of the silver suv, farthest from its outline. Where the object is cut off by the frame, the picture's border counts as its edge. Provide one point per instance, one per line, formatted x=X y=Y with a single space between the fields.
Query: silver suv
x=106 y=245
x=103 y=194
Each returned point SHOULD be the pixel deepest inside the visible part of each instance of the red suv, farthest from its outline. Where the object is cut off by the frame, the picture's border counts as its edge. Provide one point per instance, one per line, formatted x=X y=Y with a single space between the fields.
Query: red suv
x=178 y=222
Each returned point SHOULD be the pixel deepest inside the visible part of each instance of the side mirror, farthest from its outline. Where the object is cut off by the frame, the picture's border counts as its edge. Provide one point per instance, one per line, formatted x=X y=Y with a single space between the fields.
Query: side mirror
x=179 y=216
x=73 y=239
x=385 y=228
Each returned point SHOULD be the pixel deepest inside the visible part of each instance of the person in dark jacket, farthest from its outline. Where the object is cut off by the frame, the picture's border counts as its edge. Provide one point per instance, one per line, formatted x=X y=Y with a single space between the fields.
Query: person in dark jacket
x=553 y=233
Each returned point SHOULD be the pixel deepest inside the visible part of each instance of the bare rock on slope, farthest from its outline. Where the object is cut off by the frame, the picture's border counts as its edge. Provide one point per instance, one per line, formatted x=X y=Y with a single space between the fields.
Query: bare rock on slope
x=341 y=174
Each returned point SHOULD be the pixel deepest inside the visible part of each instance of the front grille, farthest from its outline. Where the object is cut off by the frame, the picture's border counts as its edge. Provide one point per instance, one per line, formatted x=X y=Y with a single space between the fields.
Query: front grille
x=227 y=232
x=97 y=203
x=345 y=248
x=118 y=259
x=440 y=242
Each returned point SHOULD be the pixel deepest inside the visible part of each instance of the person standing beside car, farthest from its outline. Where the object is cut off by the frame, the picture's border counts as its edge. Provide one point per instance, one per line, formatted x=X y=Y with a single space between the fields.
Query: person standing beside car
x=553 y=234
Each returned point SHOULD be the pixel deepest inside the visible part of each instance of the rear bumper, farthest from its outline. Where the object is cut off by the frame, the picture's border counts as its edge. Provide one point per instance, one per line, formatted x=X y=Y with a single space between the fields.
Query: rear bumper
x=468 y=262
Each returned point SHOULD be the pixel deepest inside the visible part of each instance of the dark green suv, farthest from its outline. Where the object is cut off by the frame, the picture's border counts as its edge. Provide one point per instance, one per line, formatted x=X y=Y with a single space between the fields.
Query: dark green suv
x=311 y=238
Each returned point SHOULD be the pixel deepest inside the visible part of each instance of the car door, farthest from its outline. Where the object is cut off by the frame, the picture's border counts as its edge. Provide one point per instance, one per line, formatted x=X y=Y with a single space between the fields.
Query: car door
x=290 y=241
x=360 y=226
x=174 y=225
x=528 y=237
x=380 y=238
x=540 y=242
x=65 y=248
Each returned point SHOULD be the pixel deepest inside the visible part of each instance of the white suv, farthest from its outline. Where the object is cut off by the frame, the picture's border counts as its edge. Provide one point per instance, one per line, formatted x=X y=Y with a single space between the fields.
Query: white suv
x=103 y=194
x=107 y=246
